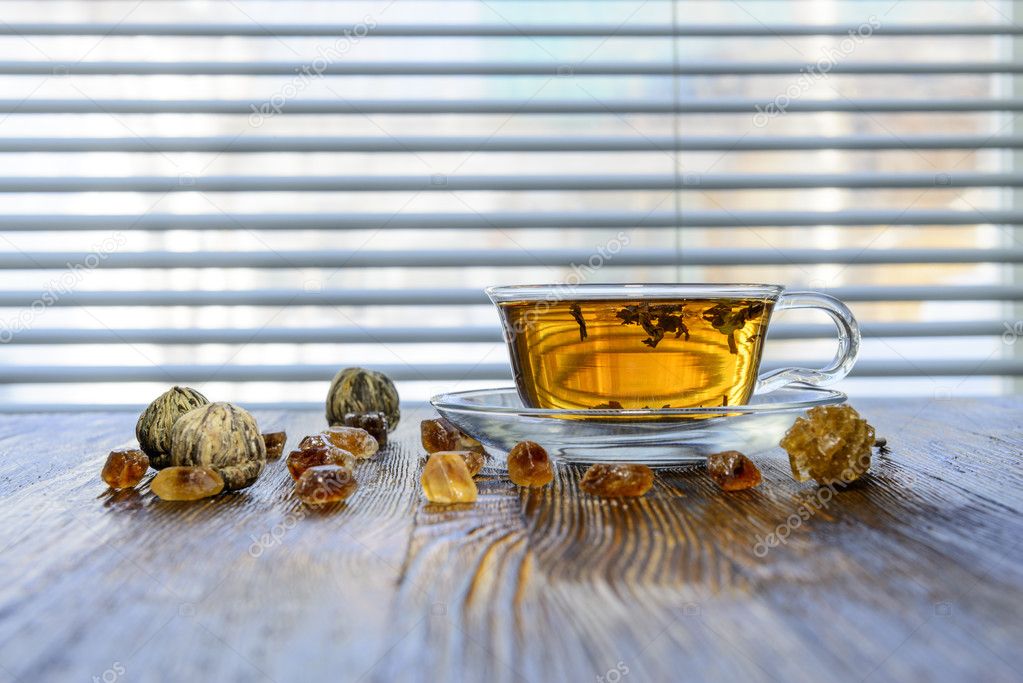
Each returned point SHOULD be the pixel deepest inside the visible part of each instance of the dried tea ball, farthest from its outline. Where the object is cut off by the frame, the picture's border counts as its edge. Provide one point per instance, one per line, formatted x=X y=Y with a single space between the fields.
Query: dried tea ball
x=528 y=465
x=356 y=441
x=274 y=443
x=617 y=480
x=325 y=484
x=222 y=436
x=441 y=434
x=446 y=480
x=153 y=430
x=831 y=444
x=733 y=471
x=186 y=483
x=374 y=422
x=315 y=451
x=125 y=468
x=357 y=390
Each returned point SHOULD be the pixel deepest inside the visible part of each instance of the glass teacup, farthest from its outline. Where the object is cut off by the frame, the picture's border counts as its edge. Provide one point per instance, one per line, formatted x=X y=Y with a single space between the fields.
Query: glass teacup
x=655 y=346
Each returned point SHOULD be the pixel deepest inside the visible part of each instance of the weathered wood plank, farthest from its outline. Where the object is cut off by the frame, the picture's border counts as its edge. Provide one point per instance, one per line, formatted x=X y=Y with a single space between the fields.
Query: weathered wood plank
x=244 y=587
x=914 y=574
x=676 y=579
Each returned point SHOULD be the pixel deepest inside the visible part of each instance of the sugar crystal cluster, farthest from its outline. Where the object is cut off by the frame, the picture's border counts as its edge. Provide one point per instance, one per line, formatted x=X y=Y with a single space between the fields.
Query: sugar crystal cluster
x=831 y=444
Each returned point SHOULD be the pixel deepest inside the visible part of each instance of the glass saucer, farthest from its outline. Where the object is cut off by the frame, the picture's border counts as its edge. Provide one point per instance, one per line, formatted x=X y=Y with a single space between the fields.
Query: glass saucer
x=659 y=438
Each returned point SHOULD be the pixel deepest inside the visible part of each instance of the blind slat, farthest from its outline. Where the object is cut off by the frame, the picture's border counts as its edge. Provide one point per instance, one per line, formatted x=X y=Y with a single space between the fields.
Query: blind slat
x=533 y=183
x=458 y=258
x=459 y=143
x=439 y=335
x=473 y=221
x=520 y=30
x=501 y=106
x=510 y=68
x=444 y=297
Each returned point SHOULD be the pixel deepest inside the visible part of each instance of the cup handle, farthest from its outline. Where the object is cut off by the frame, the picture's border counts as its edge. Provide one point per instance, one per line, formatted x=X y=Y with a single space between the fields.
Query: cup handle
x=845 y=357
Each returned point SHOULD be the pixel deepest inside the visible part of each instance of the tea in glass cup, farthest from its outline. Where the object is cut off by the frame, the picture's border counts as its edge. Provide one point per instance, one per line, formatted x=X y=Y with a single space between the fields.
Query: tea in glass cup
x=652 y=346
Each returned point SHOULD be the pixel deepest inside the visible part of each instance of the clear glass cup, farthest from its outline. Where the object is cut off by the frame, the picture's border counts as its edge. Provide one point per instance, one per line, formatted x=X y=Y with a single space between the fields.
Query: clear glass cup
x=670 y=346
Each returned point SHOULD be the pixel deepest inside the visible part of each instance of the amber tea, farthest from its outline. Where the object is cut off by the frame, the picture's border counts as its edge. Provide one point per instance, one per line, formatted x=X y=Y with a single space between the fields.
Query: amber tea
x=636 y=353
x=686 y=349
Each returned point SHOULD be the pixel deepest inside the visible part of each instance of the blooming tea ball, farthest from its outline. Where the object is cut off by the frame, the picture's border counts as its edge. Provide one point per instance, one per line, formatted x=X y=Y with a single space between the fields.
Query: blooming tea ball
x=357 y=390
x=224 y=437
x=153 y=429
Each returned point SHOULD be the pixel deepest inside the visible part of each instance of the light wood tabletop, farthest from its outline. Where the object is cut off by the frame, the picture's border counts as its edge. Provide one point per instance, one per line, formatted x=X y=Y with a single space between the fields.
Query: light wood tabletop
x=914 y=574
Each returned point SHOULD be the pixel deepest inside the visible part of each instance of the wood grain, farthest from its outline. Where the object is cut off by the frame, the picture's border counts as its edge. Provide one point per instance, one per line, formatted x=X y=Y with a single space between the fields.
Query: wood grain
x=914 y=574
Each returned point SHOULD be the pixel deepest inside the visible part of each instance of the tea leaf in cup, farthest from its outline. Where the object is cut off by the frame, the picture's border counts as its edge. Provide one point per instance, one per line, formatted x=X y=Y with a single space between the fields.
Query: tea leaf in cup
x=577 y=313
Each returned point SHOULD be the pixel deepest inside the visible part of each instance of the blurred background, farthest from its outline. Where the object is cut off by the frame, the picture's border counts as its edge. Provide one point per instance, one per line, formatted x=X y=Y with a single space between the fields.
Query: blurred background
x=245 y=196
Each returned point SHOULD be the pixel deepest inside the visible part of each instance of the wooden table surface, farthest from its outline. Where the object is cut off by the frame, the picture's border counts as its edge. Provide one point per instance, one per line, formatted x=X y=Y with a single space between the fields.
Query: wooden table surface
x=914 y=574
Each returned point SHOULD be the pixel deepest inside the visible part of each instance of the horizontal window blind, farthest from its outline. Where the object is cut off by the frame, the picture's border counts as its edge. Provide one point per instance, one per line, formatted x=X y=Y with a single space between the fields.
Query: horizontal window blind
x=247 y=196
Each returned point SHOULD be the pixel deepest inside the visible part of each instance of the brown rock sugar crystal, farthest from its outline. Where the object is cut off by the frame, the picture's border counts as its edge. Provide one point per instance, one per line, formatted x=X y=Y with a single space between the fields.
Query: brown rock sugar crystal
x=617 y=480
x=125 y=468
x=529 y=465
x=324 y=484
x=446 y=479
x=733 y=471
x=187 y=483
